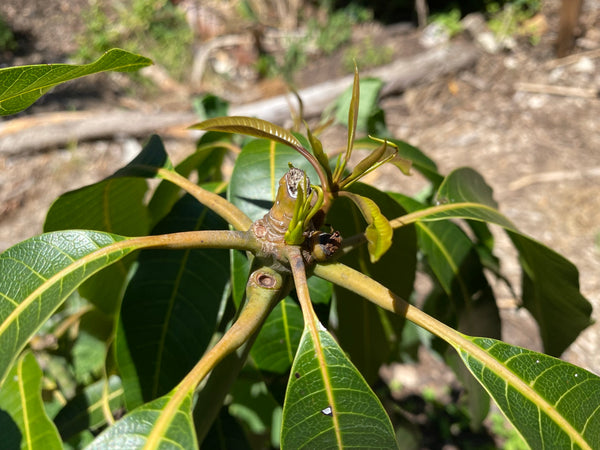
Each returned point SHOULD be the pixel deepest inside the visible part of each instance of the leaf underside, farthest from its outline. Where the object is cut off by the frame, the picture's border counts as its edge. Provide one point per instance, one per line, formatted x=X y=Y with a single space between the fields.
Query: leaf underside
x=22 y=86
x=552 y=403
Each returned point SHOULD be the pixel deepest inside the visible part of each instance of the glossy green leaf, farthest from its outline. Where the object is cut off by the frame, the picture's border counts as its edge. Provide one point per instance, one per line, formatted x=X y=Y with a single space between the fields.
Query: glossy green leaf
x=256 y=174
x=85 y=410
x=552 y=403
x=455 y=263
x=205 y=161
x=550 y=282
x=170 y=307
x=368 y=334
x=328 y=404
x=40 y=273
x=250 y=126
x=115 y=205
x=23 y=420
x=379 y=231
x=162 y=423
x=276 y=344
x=320 y=291
x=22 y=86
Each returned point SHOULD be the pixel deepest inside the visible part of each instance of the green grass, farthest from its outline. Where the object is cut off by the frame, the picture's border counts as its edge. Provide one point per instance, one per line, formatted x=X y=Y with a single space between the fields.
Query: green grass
x=155 y=28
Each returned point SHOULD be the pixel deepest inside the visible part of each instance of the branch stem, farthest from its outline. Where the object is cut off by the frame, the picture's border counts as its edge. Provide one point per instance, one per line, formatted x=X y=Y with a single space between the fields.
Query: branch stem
x=216 y=203
x=263 y=289
x=227 y=239
x=370 y=289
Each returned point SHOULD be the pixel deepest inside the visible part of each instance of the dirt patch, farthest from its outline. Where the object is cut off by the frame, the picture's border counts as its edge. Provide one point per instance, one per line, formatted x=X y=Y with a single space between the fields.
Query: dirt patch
x=540 y=152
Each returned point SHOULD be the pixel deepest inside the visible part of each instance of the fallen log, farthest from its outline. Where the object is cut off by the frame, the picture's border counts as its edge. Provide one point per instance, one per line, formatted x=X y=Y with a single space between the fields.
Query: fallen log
x=52 y=130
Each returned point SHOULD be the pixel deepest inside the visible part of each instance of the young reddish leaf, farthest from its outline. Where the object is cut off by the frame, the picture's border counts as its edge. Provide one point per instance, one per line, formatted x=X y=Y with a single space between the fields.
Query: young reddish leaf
x=353 y=113
x=352 y=120
x=252 y=127
x=317 y=148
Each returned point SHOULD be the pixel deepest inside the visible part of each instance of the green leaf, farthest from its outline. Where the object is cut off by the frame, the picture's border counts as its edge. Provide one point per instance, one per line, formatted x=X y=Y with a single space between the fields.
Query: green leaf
x=40 y=273
x=250 y=126
x=256 y=174
x=163 y=423
x=22 y=86
x=276 y=344
x=252 y=403
x=23 y=420
x=226 y=433
x=379 y=231
x=85 y=410
x=551 y=293
x=240 y=269
x=552 y=403
x=170 y=308
x=146 y=164
x=115 y=205
x=206 y=161
x=328 y=404
x=454 y=261
x=368 y=334
x=550 y=282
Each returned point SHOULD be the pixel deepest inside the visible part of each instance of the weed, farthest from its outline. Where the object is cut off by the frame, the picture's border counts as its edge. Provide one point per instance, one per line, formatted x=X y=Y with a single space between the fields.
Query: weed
x=7 y=38
x=153 y=27
x=367 y=54
x=449 y=21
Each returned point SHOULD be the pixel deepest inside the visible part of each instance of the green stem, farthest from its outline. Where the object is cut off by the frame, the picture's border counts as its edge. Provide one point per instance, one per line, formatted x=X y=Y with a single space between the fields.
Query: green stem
x=218 y=204
x=311 y=322
x=218 y=384
x=370 y=289
x=263 y=290
x=227 y=239
x=299 y=272
x=434 y=210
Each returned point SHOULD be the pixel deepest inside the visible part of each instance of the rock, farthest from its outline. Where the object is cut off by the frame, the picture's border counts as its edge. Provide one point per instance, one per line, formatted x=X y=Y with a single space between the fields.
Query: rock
x=585 y=65
x=433 y=35
x=477 y=28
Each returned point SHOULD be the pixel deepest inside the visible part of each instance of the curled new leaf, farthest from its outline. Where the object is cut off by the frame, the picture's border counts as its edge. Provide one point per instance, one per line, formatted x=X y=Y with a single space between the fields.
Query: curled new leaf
x=379 y=231
x=261 y=129
x=321 y=156
x=352 y=120
x=252 y=127
x=386 y=152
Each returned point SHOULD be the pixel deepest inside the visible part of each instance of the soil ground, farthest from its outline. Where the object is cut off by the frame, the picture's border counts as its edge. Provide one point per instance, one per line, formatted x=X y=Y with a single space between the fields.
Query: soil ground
x=540 y=152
